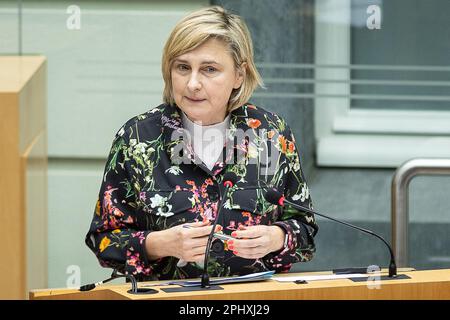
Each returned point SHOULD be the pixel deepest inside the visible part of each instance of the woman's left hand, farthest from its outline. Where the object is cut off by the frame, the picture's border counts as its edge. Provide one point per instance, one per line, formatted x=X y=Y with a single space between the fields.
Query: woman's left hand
x=255 y=242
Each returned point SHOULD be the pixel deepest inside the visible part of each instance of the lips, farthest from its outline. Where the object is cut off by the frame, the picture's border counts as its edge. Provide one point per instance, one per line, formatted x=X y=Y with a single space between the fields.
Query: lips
x=195 y=99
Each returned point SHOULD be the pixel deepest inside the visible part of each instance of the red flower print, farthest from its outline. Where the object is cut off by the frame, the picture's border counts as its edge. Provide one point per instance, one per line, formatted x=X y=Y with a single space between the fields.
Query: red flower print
x=291 y=147
x=253 y=123
x=282 y=141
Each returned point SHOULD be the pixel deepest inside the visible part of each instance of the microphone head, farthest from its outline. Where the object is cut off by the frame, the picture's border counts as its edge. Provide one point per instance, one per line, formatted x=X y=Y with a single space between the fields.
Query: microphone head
x=274 y=197
x=229 y=179
x=87 y=287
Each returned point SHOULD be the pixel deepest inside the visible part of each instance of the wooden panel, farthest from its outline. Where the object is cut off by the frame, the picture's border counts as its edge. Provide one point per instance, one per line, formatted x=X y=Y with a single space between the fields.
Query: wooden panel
x=11 y=209
x=35 y=168
x=428 y=284
x=33 y=105
x=23 y=169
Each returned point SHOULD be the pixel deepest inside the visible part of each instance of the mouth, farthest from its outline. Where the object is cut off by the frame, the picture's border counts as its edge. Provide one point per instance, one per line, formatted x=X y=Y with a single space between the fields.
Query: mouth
x=194 y=100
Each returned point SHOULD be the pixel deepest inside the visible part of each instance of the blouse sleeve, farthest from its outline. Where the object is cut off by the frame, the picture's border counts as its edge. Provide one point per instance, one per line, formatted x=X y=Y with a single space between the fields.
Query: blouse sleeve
x=299 y=226
x=114 y=236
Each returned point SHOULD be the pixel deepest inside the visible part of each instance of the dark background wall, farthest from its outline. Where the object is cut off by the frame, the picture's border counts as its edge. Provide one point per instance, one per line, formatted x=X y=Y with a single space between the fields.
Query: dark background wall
x=283 y=33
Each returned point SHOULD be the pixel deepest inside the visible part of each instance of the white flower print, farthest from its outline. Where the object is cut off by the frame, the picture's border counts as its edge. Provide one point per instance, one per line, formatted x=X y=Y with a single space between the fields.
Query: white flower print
x=175 y=170
x=227 y=205
x=303 y=196
x=164 y=209
x=158 y=201
x=140 y=147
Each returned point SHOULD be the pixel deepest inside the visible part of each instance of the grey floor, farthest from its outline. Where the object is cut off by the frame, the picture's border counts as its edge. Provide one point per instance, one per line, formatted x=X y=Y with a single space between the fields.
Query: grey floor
x=362 y=197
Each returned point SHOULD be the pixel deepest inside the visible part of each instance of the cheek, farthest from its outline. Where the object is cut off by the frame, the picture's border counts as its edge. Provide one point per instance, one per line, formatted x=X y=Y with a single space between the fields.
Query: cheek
x=220 y=88
x=177 y=84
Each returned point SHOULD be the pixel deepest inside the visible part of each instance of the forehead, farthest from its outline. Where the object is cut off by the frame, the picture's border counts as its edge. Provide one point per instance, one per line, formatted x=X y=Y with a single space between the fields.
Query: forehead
x=212 y=51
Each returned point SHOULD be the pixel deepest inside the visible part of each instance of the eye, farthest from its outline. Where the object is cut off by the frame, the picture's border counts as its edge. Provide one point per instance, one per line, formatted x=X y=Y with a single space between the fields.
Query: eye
x=210 y=69
x=182 y=67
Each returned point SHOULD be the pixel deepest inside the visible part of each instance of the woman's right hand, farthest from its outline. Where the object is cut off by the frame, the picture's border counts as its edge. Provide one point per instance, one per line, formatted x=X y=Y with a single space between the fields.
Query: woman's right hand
x=186 y=242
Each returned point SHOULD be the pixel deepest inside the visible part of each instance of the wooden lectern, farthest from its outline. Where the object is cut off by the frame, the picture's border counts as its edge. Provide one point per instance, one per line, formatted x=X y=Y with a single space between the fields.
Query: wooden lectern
x=427 y=284
x=23 y=176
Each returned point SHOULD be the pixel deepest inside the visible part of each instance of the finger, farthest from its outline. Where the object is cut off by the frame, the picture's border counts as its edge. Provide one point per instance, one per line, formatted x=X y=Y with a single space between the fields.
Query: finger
x=253 y=253
x=190 y=252
x=244 y=244
x=197 y=224
x=200 y=258
x=197 y=251
x=202 y=231
x=250 y=232
x=195 y=243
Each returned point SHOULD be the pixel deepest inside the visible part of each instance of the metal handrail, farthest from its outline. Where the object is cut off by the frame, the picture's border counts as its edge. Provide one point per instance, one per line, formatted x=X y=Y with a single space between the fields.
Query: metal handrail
x=399 y=200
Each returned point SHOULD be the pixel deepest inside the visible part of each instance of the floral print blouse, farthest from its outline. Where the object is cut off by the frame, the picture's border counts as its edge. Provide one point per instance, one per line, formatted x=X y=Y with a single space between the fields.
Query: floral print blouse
x=146 y=188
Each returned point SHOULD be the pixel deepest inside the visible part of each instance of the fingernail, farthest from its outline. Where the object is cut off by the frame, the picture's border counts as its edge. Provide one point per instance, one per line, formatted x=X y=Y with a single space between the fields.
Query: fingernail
x=234 y=234
x=231 y=247
x=230 y=242
x=235 y=252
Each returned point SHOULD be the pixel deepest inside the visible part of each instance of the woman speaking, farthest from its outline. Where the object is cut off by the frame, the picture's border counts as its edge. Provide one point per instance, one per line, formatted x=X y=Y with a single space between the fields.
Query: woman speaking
x=162 y=183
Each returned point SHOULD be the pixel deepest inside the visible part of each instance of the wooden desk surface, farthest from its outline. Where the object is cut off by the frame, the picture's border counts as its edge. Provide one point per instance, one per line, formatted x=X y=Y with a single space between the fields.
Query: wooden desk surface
x=426 y=284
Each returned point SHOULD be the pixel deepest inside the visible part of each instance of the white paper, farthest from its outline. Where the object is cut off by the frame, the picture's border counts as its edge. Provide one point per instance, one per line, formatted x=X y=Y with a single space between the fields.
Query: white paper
x=321 y=277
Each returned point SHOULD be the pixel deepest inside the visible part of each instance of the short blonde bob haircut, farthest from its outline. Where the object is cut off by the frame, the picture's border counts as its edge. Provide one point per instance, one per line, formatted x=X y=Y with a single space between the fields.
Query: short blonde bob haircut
x=202 y=25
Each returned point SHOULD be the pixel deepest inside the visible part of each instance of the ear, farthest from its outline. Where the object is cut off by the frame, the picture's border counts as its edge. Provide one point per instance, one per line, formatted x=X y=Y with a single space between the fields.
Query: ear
x=240 y=75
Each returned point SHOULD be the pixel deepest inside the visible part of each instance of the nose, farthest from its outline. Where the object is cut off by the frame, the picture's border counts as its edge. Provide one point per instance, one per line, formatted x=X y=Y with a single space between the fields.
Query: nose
x=194 y=83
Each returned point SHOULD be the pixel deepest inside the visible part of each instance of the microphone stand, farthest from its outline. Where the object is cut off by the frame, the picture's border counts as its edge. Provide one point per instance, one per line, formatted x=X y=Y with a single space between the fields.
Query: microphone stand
x=205 y=275
x=134 y=287
x=275 y=197
x=228 y=183
x=392 y=265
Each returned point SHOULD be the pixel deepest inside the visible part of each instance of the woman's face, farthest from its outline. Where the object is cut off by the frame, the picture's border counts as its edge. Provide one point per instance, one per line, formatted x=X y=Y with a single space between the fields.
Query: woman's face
x=202 y=82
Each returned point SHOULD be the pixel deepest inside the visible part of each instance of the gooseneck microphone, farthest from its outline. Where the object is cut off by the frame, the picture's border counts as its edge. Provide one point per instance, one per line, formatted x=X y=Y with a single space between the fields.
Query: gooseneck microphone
x=275 y=197
x=229 y=180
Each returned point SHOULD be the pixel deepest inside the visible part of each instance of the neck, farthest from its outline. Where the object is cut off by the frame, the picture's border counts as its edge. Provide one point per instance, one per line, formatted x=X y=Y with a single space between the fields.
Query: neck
x=207 y=123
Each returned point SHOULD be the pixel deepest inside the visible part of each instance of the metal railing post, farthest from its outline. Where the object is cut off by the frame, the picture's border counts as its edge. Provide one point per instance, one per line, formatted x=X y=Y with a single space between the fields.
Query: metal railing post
x=399 y=200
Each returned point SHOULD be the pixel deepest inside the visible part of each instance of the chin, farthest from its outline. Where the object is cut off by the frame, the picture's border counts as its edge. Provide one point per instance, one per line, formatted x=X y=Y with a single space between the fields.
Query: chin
x=193 y=113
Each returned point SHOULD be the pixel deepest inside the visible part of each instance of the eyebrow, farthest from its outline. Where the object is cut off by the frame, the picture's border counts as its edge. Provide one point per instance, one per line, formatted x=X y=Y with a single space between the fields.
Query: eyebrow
x=203 y=62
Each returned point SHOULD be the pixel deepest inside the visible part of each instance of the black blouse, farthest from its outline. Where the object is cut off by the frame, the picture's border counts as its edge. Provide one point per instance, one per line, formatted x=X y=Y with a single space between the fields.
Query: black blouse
x=153 y=181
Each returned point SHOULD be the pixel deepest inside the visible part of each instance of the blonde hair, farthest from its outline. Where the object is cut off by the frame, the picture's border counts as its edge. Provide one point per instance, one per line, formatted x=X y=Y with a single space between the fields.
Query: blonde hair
x=202 y=25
